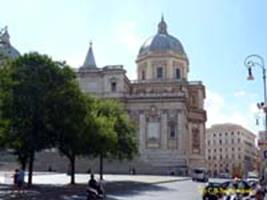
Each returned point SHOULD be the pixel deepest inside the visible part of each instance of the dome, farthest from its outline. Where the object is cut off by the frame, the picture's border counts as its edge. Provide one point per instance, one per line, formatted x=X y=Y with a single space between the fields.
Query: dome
x=6 y=49
x=162 y=41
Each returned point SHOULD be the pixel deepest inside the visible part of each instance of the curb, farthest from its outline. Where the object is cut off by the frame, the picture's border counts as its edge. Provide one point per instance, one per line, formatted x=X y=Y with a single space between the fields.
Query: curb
x=171 y=181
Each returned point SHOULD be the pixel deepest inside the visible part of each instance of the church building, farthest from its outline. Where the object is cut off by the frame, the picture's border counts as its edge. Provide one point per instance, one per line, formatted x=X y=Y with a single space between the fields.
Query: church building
x=166 y=106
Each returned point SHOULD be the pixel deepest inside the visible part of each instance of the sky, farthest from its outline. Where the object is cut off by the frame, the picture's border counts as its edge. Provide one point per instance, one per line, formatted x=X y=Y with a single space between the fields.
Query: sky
x=217 y=35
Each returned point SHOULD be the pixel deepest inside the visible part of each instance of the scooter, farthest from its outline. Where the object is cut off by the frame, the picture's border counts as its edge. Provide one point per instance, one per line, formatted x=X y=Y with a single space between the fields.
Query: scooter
x=92 y=194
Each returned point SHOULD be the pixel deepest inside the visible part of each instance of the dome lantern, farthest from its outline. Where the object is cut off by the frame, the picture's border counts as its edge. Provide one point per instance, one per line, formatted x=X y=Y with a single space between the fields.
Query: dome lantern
x=162 y=27
x=6 y=49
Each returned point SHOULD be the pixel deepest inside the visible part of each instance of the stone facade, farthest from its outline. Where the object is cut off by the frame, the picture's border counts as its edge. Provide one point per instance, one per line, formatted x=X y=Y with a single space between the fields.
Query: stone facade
x=167 y=108
x=230 y=146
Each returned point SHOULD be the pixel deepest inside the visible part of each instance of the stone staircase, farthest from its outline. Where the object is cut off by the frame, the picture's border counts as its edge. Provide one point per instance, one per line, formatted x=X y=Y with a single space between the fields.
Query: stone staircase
x=161 y=163
x=165 y=162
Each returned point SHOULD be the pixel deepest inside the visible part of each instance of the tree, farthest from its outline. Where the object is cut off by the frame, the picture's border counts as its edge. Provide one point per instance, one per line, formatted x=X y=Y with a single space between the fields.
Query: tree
x=25 y=87
x=115 y=134
x=126 y=146
x=67 y=112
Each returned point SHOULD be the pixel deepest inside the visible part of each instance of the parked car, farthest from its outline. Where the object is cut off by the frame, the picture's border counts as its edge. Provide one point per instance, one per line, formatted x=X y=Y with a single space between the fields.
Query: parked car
x=213 y=191
x=200 y=174
x=224 y=175
x=237 y=189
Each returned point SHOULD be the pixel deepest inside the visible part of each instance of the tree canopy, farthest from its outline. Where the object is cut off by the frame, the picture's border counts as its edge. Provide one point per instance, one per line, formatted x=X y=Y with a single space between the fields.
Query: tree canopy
x=115 y=132
x=42 y=106
x=26 y=86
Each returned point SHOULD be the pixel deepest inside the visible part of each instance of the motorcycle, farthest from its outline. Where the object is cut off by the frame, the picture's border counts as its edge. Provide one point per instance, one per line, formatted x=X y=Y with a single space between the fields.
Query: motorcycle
x=93 y=194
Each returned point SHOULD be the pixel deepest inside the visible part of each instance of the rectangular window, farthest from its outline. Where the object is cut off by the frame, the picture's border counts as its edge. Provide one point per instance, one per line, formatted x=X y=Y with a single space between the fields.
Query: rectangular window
x=153 y=130
x=177 y=72
x=172 y=131
x=143 y=75
x=113 y=86
x=159 y=72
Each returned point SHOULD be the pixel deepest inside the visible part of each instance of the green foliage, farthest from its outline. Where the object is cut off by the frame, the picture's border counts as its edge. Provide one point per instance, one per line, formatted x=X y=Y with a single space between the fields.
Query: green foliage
x=126 y=146
x=29 y=86
x=41 y=106
x=114 y=133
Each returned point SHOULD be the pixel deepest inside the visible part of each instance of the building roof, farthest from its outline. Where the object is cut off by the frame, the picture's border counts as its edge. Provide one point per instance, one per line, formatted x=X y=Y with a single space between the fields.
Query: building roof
x=228 y=126
x=89 y=61
x=162 y=41
x=6 y=49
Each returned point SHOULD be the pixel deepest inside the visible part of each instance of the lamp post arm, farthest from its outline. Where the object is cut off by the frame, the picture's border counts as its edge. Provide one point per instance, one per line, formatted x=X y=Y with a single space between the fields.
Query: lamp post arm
x=264 y=84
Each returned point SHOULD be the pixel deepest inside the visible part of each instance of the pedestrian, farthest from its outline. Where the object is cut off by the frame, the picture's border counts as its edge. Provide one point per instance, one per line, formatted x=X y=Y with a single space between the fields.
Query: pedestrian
x=92 y=182
x=50 y=168
x=20 y=180
x=15 y=179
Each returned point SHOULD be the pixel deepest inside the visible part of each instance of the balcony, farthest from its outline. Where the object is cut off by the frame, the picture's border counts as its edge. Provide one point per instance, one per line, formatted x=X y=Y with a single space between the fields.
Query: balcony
x=166 y=81
x=112 y=67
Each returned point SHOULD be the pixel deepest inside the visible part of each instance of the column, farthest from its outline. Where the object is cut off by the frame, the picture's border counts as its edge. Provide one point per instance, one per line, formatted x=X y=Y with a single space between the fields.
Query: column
x=164 y=131
x=181 y=132
x=142 y=131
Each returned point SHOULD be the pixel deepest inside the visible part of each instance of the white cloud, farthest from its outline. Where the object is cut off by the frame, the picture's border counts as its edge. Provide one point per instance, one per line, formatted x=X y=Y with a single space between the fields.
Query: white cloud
x=214 y=105
x=253 y=108
x=219 y=111
x=240 y=93
x=126 y=34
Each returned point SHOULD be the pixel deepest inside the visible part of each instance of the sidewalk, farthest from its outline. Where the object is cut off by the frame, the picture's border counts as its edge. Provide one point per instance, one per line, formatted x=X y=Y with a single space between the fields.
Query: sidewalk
x=63 y=179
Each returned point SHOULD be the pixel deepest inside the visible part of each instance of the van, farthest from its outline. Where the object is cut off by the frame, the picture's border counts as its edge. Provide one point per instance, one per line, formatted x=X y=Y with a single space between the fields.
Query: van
x=200 y=174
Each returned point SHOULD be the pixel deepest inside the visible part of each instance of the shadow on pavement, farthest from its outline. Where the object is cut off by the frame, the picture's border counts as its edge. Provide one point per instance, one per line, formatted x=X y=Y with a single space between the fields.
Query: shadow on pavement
x=76 y=192
x=130 y=188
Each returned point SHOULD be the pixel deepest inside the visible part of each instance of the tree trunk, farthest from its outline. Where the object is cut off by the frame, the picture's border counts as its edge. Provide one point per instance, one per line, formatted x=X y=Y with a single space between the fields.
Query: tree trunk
x=23 y=159
x=101 y=166
x=31 y=160
x=72 y=169
x=23 y=164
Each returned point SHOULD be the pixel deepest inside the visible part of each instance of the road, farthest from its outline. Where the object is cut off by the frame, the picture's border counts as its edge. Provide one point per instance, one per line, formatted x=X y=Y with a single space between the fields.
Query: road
x=186 y=190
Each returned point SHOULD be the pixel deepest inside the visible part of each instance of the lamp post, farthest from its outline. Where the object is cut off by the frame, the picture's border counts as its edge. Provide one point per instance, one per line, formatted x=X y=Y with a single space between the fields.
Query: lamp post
x=250 y=62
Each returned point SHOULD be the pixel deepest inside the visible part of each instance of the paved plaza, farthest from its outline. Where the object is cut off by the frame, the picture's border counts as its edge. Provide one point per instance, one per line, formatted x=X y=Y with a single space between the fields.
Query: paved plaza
x=49 y=186
x=117 y=186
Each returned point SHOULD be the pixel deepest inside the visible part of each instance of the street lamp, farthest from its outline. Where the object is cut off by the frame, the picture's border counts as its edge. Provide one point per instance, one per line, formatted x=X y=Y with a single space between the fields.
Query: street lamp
x=250 y=62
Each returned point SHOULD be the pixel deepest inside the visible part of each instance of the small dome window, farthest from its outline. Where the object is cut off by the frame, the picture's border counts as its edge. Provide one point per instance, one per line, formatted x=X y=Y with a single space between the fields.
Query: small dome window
x=113 y=86
x=177 y=73
x=159 y=72
x=143 y=75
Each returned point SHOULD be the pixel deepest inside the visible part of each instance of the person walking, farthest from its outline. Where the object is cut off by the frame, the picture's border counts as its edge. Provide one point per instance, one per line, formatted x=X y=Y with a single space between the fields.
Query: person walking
x=15 y=180
x=20 y=180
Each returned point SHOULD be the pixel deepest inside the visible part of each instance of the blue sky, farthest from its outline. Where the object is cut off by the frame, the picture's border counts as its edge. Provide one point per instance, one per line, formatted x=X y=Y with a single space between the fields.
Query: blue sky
x=217 y=36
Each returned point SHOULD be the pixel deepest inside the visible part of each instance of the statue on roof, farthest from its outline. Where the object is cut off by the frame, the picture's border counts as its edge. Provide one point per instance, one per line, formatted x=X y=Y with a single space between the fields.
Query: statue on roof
x=4 y=35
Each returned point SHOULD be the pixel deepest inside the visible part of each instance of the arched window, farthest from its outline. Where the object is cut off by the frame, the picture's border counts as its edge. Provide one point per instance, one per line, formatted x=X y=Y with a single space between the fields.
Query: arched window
x=113 y=86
